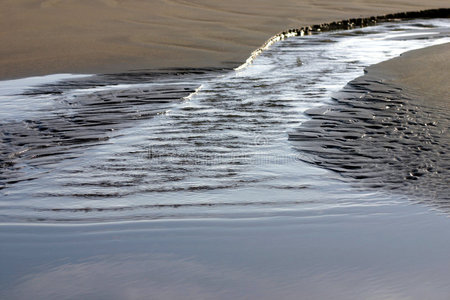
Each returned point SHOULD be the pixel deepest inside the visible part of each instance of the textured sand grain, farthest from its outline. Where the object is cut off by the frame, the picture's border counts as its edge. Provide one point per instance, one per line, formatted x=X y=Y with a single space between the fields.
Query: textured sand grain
x=424 y=72
x=94 y=36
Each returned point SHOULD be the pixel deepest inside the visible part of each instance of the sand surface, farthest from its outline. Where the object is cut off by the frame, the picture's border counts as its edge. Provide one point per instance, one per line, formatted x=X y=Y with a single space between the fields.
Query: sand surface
x=388 y=128
x=94 y=36
x=424 y=72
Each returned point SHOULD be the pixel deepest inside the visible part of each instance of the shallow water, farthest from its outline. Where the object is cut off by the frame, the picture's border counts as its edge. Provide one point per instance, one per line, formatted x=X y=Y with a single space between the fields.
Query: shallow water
x=183 y=184
x=133 y=146
x=400 y=252
x=382 y=137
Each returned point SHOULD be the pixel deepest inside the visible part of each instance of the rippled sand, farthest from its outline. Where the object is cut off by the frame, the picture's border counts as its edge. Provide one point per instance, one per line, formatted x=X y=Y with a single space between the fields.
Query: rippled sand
x=344 y=249
x=389 y=128
x=132 y=146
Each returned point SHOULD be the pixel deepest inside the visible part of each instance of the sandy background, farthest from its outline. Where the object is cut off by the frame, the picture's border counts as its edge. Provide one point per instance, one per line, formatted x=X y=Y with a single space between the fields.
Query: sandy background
x=423 y=71
x=95 y=36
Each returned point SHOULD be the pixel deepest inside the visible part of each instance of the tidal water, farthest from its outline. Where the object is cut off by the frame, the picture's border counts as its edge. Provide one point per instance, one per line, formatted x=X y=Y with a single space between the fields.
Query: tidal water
x=196 y=184
x=183 y=144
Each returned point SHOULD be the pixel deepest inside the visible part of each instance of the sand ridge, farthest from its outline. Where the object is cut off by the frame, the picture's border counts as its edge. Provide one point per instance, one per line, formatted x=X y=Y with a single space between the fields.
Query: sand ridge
x=389 y=128
x=97 y=36
x=423 y=71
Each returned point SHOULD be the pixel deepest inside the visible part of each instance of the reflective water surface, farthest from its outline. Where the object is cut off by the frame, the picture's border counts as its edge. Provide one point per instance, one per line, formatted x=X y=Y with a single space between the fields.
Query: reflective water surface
x=147 y=146
x=183 y=184
x=396 y=252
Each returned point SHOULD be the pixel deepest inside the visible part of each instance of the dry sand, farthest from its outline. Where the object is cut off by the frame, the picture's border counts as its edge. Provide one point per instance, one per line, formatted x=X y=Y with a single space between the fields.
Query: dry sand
x=424 y=72
x=95 y=36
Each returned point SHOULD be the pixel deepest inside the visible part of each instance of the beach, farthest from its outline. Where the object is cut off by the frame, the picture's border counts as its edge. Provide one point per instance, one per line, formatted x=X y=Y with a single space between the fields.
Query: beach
x=317 y=170
x=110 y=36
x=389 y=127
x=424 y=72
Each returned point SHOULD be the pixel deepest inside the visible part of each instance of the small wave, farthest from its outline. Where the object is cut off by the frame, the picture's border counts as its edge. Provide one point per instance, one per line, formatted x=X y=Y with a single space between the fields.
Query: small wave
x=346 y=25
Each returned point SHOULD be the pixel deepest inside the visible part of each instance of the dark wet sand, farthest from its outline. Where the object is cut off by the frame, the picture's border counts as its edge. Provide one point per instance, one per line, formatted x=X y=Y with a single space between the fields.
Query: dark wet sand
x=389 y=128
x=60 y=135
x=54 y=36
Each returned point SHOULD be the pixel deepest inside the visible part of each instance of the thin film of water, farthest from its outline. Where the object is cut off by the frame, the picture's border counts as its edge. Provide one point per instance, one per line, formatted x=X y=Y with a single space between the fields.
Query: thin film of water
x=221 y=152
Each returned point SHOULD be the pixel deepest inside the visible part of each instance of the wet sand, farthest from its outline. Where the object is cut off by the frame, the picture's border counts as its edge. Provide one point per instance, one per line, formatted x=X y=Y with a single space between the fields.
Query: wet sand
x=131 y=139
x=389 y=128
x=53 y=36
x=378 y=252
x=424 y=72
